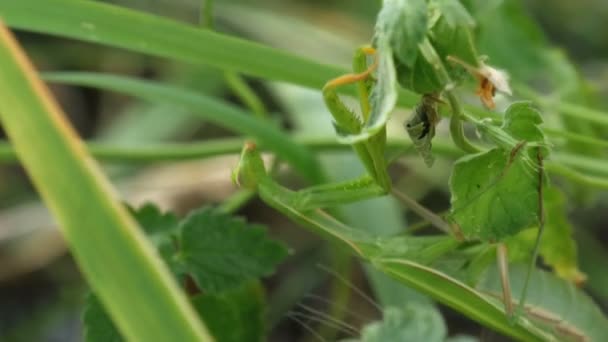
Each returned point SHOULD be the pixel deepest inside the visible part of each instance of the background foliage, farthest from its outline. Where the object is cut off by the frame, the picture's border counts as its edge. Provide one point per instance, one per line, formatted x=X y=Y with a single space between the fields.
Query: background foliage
x=178 y=101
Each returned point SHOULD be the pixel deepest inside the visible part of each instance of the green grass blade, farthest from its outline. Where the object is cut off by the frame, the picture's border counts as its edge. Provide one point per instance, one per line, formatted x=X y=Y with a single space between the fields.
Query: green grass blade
x=120 y=27
x=155 y=152
x=114 y=255
x=139 y=32
x=229 y=117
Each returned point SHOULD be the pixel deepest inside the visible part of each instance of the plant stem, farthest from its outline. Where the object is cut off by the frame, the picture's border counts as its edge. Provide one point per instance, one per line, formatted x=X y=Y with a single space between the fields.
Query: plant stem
x=541 y=228
x=206 y=14
x=155 y=153
x=244 y=92
x=456 y=130
x=577 y=177
x=235 y=82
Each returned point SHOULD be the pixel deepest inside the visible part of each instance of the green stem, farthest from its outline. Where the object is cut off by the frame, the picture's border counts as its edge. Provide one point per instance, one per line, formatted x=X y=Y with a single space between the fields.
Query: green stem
x=183 y=151
x=244 y=92
x=575 y=137
x=565 y=108
x=235 y=82
x=575 y=176
x=456 y=130
x=206 y=14
x=541 y=228
x=236 y=201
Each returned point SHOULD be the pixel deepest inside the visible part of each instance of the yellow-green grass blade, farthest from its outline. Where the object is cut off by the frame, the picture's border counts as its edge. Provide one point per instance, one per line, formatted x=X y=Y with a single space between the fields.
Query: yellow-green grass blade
x=112 y=252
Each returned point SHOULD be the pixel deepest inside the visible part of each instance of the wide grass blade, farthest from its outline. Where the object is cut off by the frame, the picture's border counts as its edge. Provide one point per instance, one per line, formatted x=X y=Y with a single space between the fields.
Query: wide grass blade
x=120 y=27
x=114 y=255
x=139 y=32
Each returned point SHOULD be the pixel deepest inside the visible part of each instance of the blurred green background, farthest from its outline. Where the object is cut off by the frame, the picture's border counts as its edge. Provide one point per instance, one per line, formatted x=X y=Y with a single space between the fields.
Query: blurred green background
x=41 y=290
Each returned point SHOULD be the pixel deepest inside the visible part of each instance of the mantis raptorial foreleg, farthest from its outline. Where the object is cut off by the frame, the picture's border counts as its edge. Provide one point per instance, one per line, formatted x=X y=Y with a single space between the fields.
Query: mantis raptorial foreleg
x=370 y=151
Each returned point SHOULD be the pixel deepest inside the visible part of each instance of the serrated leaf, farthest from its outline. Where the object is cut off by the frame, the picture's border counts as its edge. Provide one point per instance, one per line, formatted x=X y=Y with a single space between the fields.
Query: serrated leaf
x=161 y=229
x=234 y=316
x=221 y=252
x=404 y=24
x=153 y=221
x=414 y=322
x=558 y=247
x=491 y=201
x=98 y=326
x=455 y=13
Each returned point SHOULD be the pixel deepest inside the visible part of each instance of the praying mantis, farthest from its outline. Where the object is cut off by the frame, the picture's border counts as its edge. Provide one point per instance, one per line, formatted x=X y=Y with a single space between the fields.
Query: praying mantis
x=306 y=205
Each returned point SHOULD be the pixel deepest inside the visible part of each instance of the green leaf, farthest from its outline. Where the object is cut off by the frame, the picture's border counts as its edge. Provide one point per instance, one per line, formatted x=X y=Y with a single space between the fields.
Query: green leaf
x=494 y=196
x=404 y=24
x=563 y=309
x=235 y=315
x=161 y=229
x=456 y=42
x=153 y=221
x=221 y=252
x=98 y=326
x=414 y=322
x=454 y=12
x=558 y=247
x=521 y=122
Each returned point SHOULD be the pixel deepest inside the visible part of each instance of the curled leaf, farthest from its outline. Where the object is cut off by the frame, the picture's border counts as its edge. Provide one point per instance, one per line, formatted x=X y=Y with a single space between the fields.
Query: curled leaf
x=421 y=127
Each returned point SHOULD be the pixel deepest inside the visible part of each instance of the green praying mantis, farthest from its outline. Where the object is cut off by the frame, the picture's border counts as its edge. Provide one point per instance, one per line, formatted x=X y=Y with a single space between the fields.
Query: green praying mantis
x=306 y=205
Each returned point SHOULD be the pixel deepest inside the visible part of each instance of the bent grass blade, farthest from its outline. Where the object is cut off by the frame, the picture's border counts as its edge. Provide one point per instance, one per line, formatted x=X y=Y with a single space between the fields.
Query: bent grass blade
x=114 y=255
